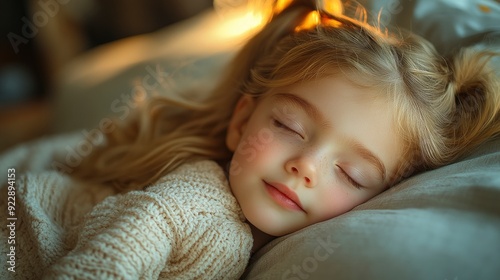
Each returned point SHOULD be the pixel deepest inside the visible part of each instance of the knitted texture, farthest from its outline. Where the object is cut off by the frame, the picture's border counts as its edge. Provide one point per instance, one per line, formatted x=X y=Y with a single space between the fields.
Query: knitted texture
x=186 y=226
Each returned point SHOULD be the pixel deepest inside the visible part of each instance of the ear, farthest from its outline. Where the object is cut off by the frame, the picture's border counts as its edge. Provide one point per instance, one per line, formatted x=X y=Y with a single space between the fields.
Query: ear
x=237 y=124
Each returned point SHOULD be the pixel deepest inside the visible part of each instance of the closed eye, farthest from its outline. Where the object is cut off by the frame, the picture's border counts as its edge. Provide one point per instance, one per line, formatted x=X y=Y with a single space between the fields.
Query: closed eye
x=276 y=123
x=349 y=179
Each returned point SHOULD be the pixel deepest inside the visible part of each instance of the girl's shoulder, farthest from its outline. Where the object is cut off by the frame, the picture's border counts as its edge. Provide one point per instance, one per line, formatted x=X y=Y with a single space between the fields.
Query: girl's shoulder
x=198 y=170
x=198 y=182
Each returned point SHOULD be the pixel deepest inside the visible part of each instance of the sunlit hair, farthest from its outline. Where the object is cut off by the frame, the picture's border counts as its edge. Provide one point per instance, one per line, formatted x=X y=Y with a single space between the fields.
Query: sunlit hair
x=443 y=107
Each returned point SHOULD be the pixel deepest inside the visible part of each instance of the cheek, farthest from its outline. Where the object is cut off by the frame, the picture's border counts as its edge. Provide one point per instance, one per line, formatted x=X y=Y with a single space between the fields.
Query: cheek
x=259 y=145
x=334 y=202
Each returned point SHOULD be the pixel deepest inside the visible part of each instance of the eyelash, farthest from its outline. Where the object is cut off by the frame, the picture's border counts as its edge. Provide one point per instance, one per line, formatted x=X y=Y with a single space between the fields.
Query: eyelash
x=280 y=125
x=349 y=179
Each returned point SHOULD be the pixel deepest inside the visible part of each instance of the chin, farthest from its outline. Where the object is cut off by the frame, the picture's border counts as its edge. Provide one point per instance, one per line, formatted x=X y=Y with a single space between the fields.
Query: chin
x=273 y=227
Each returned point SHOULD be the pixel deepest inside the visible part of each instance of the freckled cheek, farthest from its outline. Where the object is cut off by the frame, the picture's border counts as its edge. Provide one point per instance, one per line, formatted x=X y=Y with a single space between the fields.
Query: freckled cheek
x=262 y=145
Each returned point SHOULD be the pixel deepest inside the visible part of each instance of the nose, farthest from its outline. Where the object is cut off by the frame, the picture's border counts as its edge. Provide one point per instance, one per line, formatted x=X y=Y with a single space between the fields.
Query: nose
x=304 y=168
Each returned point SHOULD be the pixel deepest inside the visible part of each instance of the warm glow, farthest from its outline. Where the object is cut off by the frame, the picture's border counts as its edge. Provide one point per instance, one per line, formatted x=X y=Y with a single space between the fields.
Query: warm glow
x=281 y=5
x=333 y=7
x=311 y=20
x=241 y=23
x=242 y=17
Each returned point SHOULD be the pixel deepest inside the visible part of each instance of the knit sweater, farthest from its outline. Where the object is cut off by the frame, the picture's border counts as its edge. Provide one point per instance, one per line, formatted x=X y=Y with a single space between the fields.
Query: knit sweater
x=188 y=225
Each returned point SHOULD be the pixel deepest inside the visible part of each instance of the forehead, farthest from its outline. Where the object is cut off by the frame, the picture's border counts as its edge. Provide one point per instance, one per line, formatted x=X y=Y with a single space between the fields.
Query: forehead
x=333 y=90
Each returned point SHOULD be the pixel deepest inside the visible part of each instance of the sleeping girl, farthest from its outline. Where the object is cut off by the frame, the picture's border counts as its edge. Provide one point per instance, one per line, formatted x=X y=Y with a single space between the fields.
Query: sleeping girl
x=316 y=114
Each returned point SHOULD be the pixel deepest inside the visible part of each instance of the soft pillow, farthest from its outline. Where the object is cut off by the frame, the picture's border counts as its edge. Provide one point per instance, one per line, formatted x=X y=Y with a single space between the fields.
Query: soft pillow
x=448 y=24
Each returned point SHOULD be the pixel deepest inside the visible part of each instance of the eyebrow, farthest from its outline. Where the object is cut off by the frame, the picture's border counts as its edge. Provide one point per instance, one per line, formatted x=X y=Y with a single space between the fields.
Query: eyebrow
x=310 y=109
x=318 y=117
x=369 y=156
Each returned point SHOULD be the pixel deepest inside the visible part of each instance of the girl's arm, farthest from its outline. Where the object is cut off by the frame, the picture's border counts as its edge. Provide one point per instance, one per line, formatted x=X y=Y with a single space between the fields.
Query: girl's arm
x=188 y=225
x=125 y=236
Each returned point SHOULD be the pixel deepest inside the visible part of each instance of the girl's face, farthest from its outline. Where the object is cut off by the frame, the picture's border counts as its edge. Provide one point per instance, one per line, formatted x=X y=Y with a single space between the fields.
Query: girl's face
x=310 y=152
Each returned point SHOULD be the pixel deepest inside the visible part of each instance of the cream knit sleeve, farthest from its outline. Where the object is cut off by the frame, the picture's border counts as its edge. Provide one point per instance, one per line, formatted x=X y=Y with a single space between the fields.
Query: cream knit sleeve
x=187 y=226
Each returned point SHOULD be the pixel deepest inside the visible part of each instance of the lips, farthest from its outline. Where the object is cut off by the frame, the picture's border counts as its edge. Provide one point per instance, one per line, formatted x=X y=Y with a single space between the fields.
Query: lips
x=284 y=196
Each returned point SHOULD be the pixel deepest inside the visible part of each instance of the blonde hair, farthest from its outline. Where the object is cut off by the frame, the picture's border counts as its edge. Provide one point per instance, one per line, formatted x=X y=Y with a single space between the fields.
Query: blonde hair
x=443 y=107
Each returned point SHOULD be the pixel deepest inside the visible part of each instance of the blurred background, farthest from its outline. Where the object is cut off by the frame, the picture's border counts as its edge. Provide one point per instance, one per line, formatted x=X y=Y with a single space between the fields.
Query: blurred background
x=67 y=65
x=40 y=37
